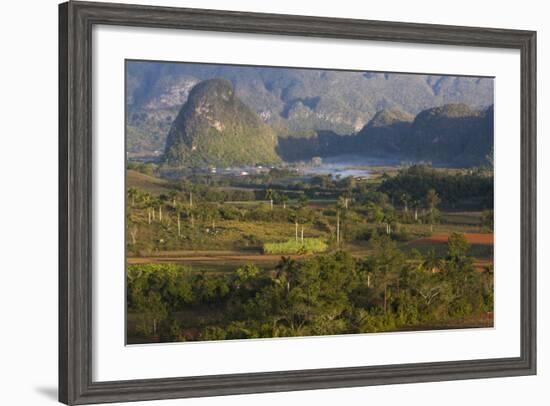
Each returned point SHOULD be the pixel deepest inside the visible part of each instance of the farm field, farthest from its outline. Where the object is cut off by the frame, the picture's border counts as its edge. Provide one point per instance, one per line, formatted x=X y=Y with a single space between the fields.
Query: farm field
x=223 y=248
x=212 y=260
x=266 y=202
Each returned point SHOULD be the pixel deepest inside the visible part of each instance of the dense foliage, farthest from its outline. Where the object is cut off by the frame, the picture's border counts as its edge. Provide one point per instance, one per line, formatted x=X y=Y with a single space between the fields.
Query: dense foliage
x=325 y=294
x=215 y=128
x=359 y=255
x=267 y=212
x=289 y=100
x=472 y=188
x=453 y=133
x=273 y=202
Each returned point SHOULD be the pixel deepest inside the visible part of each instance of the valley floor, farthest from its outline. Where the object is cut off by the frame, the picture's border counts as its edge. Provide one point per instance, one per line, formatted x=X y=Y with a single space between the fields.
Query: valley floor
x=227 y=257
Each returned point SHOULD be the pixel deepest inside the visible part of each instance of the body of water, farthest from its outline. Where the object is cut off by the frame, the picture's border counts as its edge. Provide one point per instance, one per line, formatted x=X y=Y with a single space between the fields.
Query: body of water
x=336 y=170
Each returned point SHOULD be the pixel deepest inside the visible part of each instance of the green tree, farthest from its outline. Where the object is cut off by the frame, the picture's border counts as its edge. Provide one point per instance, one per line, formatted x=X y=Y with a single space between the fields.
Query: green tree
x=432 y=200
x=284 y=200
x=211 y=213
x=179 y=209
x=459 y=265
x=303 y=201
x=457 y=247
x=375 y=213
x=415 y=204
x=133 y=194
x=386 y=265
x=161 y=202
x=286 y=272
x=270 y=195
x=173 y=196
x=487 y=221
x=432 y=262
x=405 y=199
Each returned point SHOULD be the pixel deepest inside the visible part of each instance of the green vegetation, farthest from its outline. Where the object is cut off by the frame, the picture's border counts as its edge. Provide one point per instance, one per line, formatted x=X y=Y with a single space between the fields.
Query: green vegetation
x=244 y=224
x=454 y=133
x=383 y=135
x=321 y=295
x=471 y=189
x=296 y=246
x=215 y=128
x=375 y=254
x=292 y=101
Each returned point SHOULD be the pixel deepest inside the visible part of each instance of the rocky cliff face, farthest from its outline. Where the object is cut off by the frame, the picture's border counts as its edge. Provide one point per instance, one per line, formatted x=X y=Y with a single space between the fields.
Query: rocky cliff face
x=215 y=128
x=290 y=100
x=453 y=133
x=383 y=135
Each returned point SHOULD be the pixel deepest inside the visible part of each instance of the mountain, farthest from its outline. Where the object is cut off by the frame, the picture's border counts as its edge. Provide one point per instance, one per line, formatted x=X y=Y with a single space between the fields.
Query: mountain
x=294 y=102
x=383 y=135
x=214 y=127
x=453 y=133
x=315 y=144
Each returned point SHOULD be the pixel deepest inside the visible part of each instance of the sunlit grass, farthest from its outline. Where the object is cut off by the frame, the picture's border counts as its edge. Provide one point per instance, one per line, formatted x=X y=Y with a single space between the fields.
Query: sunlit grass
x=308 y=245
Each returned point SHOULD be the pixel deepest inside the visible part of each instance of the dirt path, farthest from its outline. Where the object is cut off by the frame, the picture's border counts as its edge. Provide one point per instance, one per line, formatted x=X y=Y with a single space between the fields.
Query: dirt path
x=205 y=257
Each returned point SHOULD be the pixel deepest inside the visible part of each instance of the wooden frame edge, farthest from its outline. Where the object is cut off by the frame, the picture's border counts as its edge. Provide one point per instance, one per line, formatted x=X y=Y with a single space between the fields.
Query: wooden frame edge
x=75 y=156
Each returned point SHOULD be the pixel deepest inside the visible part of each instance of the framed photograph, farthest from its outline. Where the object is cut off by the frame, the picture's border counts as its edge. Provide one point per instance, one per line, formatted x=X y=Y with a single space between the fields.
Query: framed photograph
x=258 y=203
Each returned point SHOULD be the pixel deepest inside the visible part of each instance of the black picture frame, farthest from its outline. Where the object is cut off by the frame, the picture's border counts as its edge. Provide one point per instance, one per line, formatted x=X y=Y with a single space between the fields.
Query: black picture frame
x=76 y=20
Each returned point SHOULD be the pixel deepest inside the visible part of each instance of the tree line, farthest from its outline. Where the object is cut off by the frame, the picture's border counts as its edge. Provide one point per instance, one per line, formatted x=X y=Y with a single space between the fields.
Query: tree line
x=474 y=188
x=327 y=294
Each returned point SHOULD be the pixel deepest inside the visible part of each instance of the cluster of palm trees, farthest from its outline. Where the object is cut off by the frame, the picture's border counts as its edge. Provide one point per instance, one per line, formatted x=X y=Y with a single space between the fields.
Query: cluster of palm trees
x=276 y=198
x=159 y=208
x=413 y=210
x=173 y=206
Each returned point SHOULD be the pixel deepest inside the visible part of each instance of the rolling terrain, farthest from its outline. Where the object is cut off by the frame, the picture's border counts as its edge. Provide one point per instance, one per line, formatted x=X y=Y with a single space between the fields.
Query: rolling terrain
x=295 y=103
x=268 y=202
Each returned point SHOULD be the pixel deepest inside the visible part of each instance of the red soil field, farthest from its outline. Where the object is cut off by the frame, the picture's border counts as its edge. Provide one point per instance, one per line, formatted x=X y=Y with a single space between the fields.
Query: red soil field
x=472 y=238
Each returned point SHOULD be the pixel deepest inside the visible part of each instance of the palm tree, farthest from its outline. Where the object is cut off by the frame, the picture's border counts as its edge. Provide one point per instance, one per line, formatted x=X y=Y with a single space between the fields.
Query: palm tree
x=415 y=204
x=213 y=214
x=389 y=219
x=405 y=198
x=295 y=217
x=284 y=200
x=375 y=213
x=133 y=193
x=178 y=208
x=432 y=200
x=269 y=195
x=343 y=202
x=162 y=202
x=341 y=209
x=432 y=262
x=387 y=266
x=286 y=271
x=338 y=228
x=345 y=199
x=133 y=233
x=172 y=194
x=303 y=200
x=148 y=200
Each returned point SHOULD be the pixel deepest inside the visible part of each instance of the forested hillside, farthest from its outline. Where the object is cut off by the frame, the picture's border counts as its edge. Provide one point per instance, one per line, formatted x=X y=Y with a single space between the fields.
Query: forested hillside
x=215 y=127
x=294 y=102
